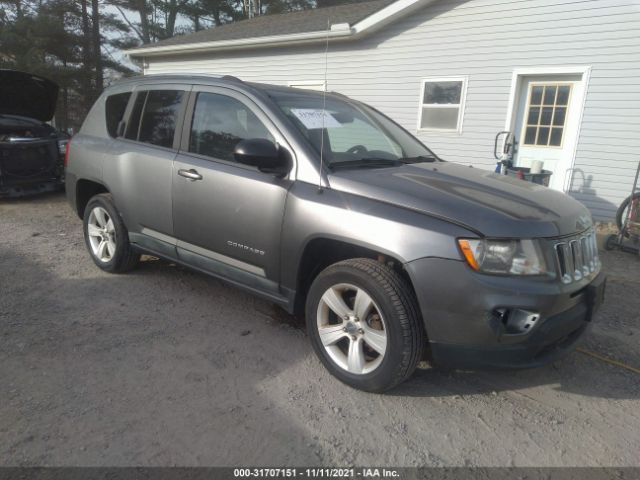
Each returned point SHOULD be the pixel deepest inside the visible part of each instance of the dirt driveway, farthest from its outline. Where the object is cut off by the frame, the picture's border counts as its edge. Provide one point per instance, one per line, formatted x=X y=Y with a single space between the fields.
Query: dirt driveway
x=169 y=367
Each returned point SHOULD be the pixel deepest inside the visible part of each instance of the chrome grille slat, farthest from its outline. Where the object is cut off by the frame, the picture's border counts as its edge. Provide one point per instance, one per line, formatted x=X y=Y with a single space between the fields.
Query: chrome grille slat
x=594 y=248
x=577 y=257
x=587 y=255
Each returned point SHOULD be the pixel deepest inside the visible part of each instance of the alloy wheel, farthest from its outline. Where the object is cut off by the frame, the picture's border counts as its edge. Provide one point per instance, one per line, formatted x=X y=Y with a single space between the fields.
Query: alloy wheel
x=102 y=234
x=352 y=329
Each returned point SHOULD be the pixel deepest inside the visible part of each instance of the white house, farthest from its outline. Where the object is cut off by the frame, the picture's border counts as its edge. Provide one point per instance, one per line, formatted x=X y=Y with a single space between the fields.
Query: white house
x=562 y=75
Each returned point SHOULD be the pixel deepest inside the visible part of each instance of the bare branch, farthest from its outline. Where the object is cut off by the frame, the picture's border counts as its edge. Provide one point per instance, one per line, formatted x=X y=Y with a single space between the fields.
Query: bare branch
x=131 y=25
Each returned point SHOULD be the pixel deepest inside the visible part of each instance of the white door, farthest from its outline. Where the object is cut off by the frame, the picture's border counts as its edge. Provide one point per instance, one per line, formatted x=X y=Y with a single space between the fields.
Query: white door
x=547 y=122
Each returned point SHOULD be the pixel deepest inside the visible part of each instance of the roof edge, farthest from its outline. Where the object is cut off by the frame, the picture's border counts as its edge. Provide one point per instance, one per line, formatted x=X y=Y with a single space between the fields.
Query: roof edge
x=264 y=41
x=340 y=31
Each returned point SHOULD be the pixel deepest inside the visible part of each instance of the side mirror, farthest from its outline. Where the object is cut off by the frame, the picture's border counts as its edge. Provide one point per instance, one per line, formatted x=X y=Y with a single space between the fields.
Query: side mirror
x=263 y=154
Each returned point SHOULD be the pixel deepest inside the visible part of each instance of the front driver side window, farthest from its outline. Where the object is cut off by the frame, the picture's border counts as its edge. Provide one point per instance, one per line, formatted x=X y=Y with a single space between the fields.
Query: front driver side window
x=219 y=123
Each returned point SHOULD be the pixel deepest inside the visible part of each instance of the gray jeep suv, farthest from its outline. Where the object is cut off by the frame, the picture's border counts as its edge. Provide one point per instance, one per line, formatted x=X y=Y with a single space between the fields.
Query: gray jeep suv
x=326 y=207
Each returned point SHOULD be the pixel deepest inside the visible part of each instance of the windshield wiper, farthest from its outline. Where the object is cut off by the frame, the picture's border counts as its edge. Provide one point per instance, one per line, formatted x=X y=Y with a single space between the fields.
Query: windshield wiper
x=418 y=159
x=366 y=163
x=377 y=162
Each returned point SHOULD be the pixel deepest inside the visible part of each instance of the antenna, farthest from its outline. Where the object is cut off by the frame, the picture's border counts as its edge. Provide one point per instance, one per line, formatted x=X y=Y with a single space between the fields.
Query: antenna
x=324 y=105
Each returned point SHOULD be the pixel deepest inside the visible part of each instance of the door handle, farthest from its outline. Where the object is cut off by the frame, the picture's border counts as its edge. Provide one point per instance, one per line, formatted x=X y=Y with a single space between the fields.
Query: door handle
x=191 y=174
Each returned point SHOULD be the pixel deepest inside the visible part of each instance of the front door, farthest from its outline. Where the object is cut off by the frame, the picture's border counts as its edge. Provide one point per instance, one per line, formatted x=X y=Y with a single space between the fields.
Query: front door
x=546 y=125
x=227 y=216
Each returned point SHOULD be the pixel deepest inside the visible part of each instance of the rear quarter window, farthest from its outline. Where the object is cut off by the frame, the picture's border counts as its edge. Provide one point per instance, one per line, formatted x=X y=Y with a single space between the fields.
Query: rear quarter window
x=115 y=106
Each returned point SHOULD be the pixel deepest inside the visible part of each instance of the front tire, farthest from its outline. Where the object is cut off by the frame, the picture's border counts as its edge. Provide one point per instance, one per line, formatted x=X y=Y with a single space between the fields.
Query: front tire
x=363 y=322
x=106 y=236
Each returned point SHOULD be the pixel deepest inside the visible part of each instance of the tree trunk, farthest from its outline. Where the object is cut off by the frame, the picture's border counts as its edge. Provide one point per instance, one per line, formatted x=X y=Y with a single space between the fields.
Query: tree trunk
x=97 y=50
x=172 y=15
x=87 y=93
x=144 y=20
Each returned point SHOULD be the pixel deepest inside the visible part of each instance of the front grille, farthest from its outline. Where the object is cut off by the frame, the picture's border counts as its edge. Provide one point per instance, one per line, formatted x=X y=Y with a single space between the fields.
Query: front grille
x=577 y=257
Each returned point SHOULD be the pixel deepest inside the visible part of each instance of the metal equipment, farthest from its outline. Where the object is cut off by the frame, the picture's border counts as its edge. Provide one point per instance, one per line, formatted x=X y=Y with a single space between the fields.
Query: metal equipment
x=508 y=149
x=505 y=147
x=628 y=220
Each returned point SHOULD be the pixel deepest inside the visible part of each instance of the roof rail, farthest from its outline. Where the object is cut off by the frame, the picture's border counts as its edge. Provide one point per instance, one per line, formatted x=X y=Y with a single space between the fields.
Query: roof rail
x=232 y=78
x=206 y=75
x=210 y=75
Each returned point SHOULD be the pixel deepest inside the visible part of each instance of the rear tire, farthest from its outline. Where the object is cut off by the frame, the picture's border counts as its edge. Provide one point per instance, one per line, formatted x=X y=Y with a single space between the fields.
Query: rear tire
x=621 y=214
x=106 y=236
x=364 y=325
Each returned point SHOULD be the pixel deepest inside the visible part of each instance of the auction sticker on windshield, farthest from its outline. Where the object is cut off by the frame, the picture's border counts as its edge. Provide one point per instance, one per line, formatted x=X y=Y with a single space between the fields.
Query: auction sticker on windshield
x=313 y=118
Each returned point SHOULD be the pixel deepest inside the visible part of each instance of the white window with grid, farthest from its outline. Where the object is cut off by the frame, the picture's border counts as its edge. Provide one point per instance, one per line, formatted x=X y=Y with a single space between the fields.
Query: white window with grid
x=442 y=102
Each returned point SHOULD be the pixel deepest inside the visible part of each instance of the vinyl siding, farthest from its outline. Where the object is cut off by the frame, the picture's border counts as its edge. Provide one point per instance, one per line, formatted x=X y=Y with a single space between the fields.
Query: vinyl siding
x=483 y=40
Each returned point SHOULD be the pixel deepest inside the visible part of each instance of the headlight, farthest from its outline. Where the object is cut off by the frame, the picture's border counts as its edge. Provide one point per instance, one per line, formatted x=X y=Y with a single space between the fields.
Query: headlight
x=514 y=257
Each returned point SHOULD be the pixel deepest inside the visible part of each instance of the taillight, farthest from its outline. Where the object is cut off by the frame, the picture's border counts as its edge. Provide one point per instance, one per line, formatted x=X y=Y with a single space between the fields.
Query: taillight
x=66 y=152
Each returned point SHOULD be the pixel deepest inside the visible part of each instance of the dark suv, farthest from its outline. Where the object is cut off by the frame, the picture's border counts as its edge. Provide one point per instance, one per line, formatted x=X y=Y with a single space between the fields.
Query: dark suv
x=326 y=207
x=31 y=150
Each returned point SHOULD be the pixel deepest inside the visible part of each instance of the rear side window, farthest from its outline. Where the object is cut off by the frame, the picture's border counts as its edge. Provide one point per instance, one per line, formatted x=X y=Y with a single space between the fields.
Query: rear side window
x=219 y=123
x=115 y=106
x=154 y=116
x=159 y=117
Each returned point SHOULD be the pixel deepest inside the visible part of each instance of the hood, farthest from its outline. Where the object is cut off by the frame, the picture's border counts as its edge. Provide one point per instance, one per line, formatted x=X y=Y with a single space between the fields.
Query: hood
x=492 y=205
x=27 y=95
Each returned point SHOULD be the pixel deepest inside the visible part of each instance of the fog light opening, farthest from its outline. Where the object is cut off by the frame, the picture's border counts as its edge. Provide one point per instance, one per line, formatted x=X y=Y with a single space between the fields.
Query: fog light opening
x=516 y=321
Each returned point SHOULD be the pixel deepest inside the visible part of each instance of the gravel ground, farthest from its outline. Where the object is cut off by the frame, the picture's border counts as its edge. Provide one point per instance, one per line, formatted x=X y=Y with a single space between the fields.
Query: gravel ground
x=165 y=366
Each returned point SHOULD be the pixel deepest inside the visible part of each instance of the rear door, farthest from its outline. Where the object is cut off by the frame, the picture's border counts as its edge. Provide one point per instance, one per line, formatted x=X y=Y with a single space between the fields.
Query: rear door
x=139 y=170
x=228 y=217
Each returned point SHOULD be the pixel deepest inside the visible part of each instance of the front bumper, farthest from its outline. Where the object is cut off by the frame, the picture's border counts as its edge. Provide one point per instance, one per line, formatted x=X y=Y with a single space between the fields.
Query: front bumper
x=459 y=311
x=32 y=167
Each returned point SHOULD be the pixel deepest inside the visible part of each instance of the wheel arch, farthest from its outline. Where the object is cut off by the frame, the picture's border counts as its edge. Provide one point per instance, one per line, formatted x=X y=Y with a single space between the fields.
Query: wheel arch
x=85 y=190
x=319 y=252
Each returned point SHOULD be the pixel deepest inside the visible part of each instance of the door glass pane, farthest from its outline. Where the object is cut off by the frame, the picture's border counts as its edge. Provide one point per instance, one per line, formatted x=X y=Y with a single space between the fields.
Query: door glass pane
x=556 y=137
x=444 y=118
x=442 y=92
x=219 y=123
x=545 y=119
x=549 y=94
x=534 y=116
x=543 y=136
x=530 y=135
x=158 y=124
x=536 y=95
x=563 y=95
x=558 y=118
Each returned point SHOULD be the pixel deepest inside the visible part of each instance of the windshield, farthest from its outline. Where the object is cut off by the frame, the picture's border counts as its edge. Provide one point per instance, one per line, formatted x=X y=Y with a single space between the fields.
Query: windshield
x=350 y=133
